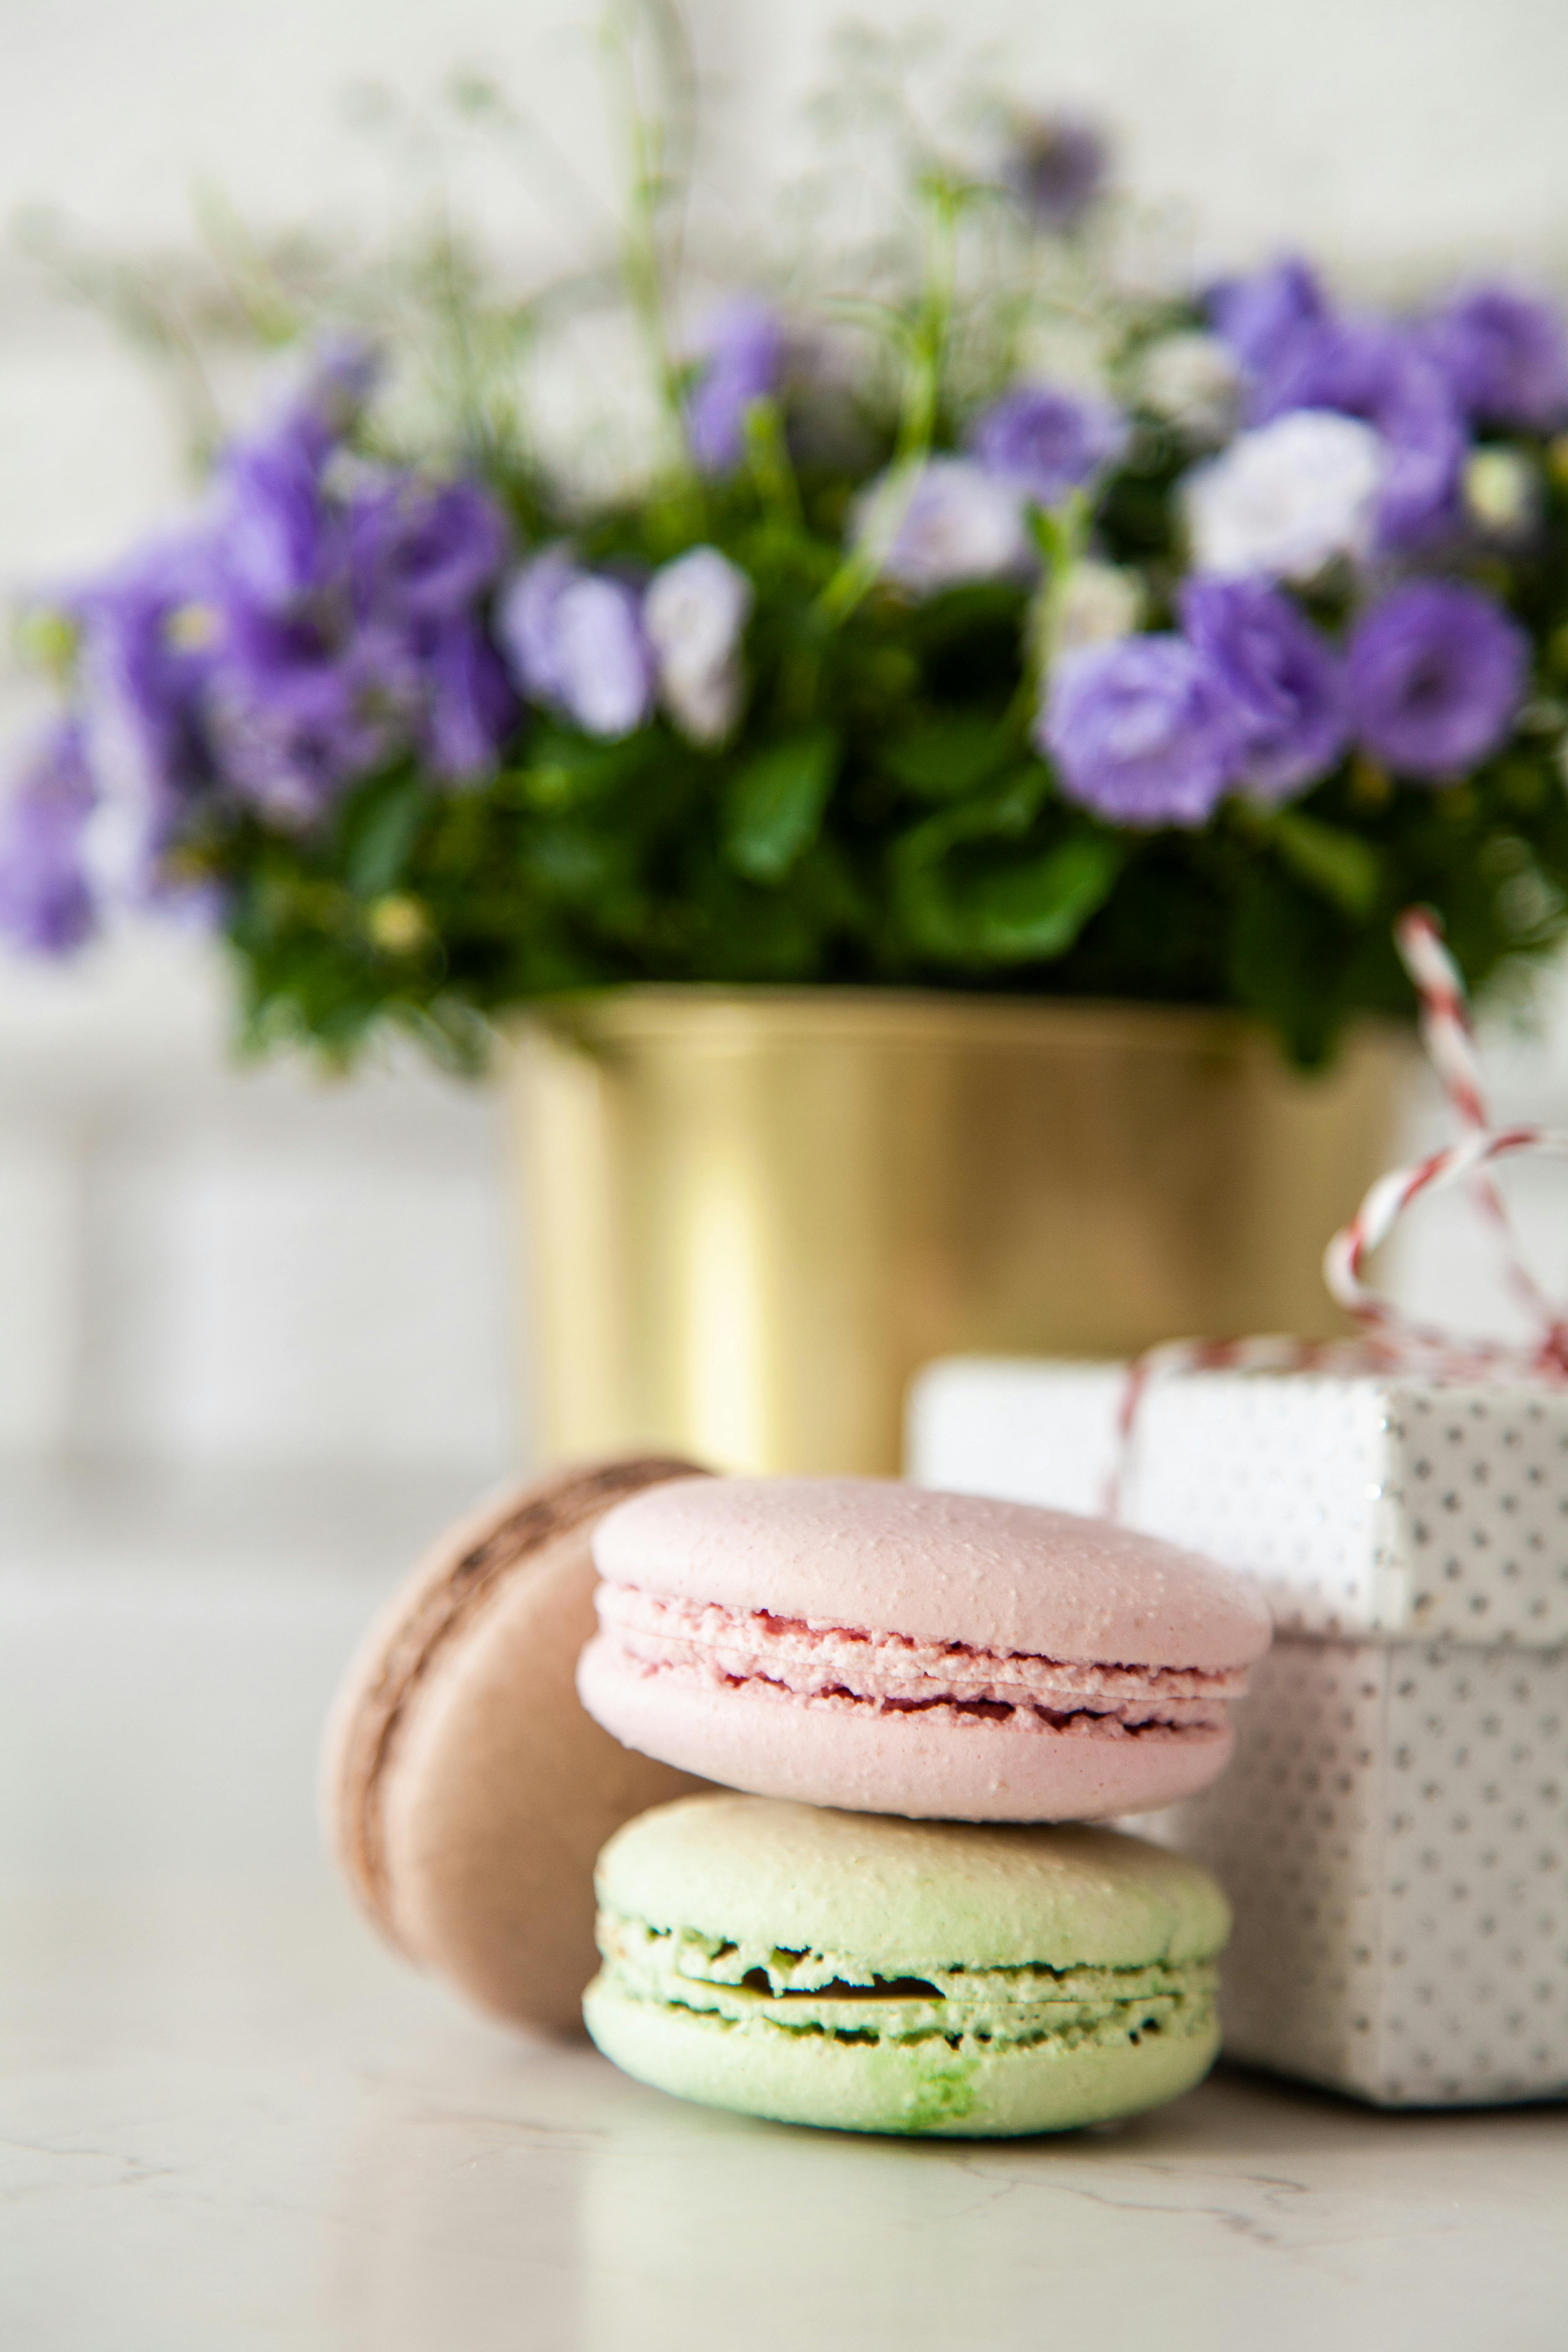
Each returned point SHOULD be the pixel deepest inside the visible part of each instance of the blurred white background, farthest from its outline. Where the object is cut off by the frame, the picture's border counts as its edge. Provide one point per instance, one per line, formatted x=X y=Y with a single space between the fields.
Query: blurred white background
x=269 y=1280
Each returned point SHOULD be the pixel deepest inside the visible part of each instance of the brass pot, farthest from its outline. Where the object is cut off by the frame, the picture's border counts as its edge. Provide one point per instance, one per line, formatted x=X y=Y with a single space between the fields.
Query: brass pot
x=754 y=1214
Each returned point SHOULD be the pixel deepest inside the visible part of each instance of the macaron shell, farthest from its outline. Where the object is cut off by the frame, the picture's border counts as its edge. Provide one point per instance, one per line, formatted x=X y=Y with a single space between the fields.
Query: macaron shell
x=929 y=2089
x=735 y=1882
x=902 y=1895
x=891 y=1558
x=773 y=1744
x=466 y=1793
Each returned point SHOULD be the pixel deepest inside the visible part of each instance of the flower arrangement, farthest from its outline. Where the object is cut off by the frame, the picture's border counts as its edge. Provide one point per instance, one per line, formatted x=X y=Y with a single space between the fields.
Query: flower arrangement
x=1171 y=674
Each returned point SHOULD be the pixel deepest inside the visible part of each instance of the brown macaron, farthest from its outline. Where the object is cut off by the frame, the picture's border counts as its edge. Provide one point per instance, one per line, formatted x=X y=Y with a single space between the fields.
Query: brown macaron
x=466 y=1793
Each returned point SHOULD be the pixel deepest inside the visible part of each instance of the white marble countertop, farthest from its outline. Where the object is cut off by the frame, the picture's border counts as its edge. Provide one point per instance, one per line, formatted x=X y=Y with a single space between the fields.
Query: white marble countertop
x=228 y=2120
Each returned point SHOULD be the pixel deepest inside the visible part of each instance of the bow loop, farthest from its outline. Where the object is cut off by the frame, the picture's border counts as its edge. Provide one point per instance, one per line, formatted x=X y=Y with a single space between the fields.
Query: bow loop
x=1393 y=1341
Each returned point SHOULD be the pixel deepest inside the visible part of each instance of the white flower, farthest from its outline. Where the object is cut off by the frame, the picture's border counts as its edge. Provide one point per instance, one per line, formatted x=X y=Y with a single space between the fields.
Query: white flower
x=695 y=612
x=951 y=521
x=1191 y=381
x=1095 y=604
x=1503 y=490
x=1287 y=499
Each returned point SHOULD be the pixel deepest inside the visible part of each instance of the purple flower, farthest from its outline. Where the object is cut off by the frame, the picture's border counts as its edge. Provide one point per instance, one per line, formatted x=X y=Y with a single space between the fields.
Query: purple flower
x=1141 y=731
x=953 y=521
x=46 y=905
x=526 y=622
x=469 y=704
x=147 y=651
x=1257 y=315
x=1504 y=356
x=1056 y=168
x=275 y=531
x=1045 y=442
x=422 y=550
x=1435 y=673
x=1425 y=447
x=740 y=351
x=321 y=406
x=1283 y=679
x=299 y=710
x=575 y=639
x=1371 y=369
x=313 y=626
x=348 y=623
x=279 y=535
x=695 y=613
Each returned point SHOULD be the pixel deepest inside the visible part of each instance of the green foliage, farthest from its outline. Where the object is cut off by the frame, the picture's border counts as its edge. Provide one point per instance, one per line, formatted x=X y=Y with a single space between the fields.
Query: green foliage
x=774 y=806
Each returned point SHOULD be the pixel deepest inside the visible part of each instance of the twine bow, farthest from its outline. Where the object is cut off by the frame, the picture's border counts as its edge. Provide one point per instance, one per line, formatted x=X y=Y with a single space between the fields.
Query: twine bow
x=1393 y=1341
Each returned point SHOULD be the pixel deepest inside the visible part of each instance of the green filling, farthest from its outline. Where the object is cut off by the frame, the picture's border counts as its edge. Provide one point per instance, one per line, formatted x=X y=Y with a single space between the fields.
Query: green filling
x=971 y=2010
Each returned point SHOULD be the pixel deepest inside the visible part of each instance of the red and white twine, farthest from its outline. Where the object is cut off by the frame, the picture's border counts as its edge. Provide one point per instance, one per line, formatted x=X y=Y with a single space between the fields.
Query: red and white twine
x=1394 y=1341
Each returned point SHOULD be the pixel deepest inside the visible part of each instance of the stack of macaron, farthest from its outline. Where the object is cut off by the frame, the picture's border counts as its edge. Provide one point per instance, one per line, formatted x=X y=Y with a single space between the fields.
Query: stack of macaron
x=884 y=1928
x=876 y=1921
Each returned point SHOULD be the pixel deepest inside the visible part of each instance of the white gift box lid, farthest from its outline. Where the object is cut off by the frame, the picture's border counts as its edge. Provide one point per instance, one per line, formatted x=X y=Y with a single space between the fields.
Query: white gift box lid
x=1391 y=1507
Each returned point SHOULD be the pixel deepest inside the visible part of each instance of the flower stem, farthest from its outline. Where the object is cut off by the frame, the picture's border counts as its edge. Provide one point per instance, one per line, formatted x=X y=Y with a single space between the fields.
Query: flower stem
x=926 y=343
x=660 y=141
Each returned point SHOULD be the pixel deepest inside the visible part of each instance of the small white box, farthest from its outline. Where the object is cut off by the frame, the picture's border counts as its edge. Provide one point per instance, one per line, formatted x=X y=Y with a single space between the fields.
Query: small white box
x=1393 y=1830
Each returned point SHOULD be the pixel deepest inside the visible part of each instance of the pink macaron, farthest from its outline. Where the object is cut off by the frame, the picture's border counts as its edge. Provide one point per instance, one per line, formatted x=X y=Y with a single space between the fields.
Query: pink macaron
x=861 y=1644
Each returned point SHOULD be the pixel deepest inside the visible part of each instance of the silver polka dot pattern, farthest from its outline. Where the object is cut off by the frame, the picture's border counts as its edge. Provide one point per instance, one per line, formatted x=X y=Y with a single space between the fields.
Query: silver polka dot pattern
x=1393 y=1837
x=1392 y=1508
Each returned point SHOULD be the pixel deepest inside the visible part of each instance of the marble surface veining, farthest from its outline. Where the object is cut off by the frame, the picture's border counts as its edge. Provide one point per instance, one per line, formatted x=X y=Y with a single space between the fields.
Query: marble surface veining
x=229 y=2120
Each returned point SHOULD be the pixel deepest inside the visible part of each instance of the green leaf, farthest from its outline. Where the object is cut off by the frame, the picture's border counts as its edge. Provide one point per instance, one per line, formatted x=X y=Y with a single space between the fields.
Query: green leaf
x=945 y=756
x=774 y=807
x=565 y=772
x=1025 y=913
x=1287 y=949
x=965 y=897
x=380 y=835
x=1342 y=867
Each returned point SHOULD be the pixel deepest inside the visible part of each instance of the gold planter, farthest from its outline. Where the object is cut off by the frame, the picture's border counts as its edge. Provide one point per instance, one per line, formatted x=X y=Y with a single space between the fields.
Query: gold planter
x=755 y=1214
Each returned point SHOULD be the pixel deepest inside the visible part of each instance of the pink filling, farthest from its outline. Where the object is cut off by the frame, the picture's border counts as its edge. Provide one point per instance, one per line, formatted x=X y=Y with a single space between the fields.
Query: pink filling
x=841 y=1665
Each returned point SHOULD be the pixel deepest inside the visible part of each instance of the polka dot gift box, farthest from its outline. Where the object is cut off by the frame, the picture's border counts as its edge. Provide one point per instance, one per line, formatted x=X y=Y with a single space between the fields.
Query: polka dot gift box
x=1393 y=1830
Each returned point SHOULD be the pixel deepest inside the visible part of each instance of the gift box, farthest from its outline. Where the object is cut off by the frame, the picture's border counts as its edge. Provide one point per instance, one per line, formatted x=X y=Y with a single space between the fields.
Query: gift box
x=1393 y=1832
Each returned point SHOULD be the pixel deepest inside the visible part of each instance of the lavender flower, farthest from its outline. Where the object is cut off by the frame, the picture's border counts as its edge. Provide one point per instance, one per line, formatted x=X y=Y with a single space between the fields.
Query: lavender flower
x=954 y=523
x=1284 y=681
x=469 y=706
x=46 y=905
x=575 y=639
x=1371 y=369
x=422 y=550
x=1287 y=499
x=273 y=528
x=277 y=533
x=310 y=626
x=740 y=351
x=1435 y=673
x=1424 y=440
x=146 y=653
x=695 y=612
x=1057 y=169
x=1143 y=732
x=344 y=617
x=526 y=622
x=1505 y=356
x=298 y=712
x=1044 y=441
x=1258 y=315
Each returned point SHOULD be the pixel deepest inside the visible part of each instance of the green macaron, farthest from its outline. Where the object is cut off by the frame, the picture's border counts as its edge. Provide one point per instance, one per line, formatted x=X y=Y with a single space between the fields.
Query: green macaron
x=874 y=1974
